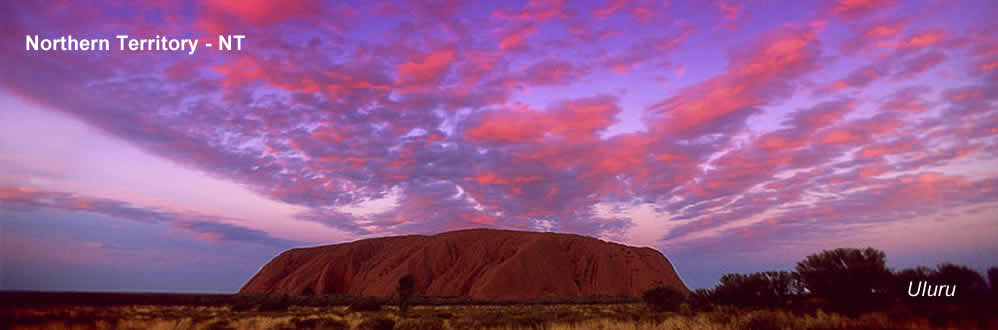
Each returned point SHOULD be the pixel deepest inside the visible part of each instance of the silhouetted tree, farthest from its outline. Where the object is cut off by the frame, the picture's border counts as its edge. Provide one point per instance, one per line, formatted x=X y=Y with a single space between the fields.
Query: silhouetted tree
x=406 y=288
x=661 y=298
x=702 y=300
x=851 y=280
x=920 y=273
x=993 y=281
x=783 y=284
x=899 y=286
x=757 y=289
x=961 y=276
x=737 y=289
x=970 y=285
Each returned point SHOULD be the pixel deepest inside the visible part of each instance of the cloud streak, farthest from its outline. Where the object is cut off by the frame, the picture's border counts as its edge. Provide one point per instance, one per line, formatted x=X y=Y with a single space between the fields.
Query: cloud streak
x=206 y=227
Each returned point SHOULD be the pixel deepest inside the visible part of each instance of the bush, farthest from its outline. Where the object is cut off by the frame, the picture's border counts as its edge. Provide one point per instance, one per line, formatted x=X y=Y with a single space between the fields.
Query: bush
x=901 y=279
x=661 y=298
x=526 y=320
x=972 y=285
x=377 y=323
x=420 y=324
x=767 y=320
x=406 y=288
x=757 y=289
x=851 y=280
x=701 y=300
x=993 y=281
x=320 y=323
x=274 y=306
x=365 y=305
x=242 y=306
x=220 y=325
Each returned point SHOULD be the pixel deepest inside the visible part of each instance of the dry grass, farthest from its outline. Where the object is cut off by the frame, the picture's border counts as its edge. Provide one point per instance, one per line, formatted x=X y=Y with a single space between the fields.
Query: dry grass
x=553 y=317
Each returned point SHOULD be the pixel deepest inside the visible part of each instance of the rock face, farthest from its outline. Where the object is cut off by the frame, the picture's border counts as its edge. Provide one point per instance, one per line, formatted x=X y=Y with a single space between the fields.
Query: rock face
x=479 y=263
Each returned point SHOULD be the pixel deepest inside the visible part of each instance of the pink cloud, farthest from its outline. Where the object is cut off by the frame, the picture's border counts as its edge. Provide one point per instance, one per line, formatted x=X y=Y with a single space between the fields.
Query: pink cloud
x=857 y=8
x=918 y=40
x=987 y=66
x=552 y=72
x=871 y=34
x=218 y=17
x=539 y=10
x=643 y=14
x=510 y=127
x=516 y=38
x=908 y=99
x=611 y=7
x=574 y=120
x=755 y=75
x=425 y=70
x=730 y=12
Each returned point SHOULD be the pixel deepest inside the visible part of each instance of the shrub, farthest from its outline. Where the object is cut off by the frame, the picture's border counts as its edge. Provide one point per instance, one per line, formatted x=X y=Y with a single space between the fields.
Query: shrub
x=526 y=321
x=701 y=300
x=972 y=285
x=219 y=325
x=661 y=298
x=377 y=323
x=851 y=280
x=365 y=305
x=916 y=274
x=757 y=289
x=420 y=324
x=242 y=306
x=993 y=281
x=274 y=306
x=320 y=323
x=406 y=288
x=767 y=320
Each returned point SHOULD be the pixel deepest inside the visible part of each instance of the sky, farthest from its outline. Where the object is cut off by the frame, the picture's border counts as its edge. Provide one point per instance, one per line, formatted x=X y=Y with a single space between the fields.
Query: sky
x=732 y=136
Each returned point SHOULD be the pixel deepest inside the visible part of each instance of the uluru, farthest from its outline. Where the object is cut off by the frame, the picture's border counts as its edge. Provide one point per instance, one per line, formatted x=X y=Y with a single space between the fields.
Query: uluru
x=484 y=264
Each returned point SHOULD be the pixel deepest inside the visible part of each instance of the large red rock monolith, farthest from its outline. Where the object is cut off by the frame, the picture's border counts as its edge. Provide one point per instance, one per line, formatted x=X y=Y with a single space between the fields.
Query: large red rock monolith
x=479 y=263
